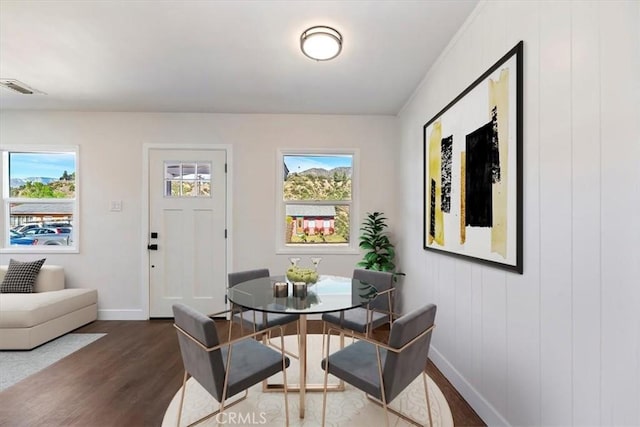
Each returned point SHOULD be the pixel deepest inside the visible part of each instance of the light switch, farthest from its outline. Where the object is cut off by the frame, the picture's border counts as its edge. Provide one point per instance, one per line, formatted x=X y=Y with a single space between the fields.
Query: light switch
x=116 y=205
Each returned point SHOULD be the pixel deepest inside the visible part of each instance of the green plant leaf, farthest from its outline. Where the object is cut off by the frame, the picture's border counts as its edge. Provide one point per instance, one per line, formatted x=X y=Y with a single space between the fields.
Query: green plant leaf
x=371 y=256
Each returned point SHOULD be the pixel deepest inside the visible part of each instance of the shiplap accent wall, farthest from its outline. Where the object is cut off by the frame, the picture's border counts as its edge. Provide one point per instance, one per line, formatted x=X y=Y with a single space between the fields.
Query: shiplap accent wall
x=558 y=345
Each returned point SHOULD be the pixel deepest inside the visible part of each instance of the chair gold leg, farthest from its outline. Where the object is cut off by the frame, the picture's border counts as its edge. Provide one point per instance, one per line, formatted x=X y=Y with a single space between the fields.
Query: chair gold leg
x=389 y=301
x=287 y=352
x=324 y=332
x=426 y=393
x=386 y=414
x=225 y=383
x=231 y=322
x=326 y=376
x=396 y=412
x=220 y=412
x=382 y=393
x=284 y=376
x=265 y=382
x=368 y=324
x=184 y=389
x=221 y=409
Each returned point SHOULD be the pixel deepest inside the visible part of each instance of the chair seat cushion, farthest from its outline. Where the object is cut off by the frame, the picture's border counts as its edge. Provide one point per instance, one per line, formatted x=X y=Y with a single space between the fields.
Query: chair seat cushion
x=356 y=319
x=273 y=319
x=357 y=364
x=251 y=362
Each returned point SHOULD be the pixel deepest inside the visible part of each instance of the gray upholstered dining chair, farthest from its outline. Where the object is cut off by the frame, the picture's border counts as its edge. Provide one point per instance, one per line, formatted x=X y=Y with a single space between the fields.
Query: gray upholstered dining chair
x=250 y=319
x=384 y=371
x=377 y=313
x=223 y=370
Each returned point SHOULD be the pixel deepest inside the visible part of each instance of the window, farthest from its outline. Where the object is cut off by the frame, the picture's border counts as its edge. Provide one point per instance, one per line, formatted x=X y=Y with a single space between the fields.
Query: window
x=316 y=202
x=40 y=202
x=187 y=179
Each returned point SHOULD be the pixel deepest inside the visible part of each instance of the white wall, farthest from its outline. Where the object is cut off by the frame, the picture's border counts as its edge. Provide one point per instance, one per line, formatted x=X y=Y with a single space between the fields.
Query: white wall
x=558 y=345
x=110 y=257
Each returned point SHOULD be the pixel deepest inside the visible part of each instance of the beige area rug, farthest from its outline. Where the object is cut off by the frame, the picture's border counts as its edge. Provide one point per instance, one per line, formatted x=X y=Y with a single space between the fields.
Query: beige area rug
x=347 y=408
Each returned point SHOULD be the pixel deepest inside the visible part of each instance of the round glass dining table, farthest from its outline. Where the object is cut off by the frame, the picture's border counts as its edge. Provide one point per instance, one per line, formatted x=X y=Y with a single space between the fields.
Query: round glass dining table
x=329 y=293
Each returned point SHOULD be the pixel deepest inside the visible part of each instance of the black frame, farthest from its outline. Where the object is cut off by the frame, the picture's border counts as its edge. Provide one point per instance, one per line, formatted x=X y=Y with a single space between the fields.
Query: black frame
x=518 y=267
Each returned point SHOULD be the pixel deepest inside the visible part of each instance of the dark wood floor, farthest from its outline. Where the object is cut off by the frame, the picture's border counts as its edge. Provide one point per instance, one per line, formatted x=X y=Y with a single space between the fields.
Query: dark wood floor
x=128 y=378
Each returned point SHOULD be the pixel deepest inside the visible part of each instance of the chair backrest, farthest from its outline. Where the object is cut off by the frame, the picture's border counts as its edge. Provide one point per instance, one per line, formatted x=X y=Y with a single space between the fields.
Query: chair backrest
x=206 y=367
x=400 y=369
x=243 y=276
x=382 y=281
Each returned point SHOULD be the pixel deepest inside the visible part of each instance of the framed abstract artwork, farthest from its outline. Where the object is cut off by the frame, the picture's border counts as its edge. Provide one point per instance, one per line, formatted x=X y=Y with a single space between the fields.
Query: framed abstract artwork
x=473 y=170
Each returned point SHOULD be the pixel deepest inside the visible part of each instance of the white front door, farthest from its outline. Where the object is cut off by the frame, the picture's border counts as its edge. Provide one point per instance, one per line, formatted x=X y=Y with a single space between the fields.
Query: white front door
x=187 y=225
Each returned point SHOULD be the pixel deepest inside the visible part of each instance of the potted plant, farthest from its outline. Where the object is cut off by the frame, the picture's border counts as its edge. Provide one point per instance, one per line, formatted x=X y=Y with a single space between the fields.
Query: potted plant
x=380 y=252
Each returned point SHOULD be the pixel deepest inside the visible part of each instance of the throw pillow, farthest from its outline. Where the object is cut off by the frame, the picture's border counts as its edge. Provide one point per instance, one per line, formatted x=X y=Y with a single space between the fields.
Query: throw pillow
x=21 y=276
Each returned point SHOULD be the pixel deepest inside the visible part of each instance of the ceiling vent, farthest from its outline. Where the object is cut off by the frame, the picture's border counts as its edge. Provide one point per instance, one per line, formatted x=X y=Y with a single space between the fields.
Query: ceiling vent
x=18 y=86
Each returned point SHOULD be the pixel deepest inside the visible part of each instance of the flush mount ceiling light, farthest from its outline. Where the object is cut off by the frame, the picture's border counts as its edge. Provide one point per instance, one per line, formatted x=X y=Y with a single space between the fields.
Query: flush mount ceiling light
x=321 y=43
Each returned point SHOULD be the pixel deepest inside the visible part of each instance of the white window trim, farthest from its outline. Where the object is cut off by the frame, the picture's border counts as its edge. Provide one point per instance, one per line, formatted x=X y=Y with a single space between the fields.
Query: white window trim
x=354 y=212
x=38 y=249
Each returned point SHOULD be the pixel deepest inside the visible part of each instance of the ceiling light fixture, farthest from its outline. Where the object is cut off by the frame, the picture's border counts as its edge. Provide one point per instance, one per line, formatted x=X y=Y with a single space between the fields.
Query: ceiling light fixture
x=321 y=43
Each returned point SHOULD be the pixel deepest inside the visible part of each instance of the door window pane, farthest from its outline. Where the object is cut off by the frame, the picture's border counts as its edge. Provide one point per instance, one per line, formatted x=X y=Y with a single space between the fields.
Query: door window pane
x=187 y=179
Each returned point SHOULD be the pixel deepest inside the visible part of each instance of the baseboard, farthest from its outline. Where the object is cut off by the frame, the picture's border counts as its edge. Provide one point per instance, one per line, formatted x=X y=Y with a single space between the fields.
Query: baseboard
x=106 y=314
x=484 y=409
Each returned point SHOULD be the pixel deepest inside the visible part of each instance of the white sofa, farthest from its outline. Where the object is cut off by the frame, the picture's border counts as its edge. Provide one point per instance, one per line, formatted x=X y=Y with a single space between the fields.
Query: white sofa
x=30 y=319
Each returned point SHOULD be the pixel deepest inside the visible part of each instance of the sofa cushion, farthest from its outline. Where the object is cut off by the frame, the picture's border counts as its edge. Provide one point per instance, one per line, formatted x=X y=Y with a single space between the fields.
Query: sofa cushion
x=21 y=276
x=50 y=278
x=27 y=310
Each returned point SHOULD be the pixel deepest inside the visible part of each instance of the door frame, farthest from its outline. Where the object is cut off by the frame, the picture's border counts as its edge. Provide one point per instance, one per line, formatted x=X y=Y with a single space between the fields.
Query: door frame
x=144 y=238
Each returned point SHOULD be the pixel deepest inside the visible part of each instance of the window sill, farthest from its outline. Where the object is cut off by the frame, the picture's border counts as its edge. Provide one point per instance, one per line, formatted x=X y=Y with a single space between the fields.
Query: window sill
x=316 y=250
x=52 y=249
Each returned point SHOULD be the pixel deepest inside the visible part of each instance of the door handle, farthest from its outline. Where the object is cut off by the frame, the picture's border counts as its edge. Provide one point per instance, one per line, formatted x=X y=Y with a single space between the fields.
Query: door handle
x=153 y=247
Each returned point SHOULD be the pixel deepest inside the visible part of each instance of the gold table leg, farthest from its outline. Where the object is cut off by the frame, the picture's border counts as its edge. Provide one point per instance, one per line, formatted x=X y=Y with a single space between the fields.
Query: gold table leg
x=303 y=387
x=303 y=361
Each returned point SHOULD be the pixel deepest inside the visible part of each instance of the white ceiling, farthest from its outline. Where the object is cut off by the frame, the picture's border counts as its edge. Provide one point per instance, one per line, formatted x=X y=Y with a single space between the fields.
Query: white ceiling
x=220 y=56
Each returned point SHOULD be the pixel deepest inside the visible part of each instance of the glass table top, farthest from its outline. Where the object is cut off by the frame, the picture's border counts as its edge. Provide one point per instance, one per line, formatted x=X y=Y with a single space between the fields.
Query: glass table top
x=329 y=293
